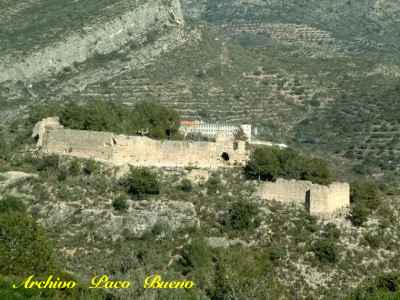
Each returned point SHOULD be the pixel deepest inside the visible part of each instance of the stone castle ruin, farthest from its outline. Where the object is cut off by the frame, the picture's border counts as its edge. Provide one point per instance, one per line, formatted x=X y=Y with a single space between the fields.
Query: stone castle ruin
x=53 y=138
x=318 y=200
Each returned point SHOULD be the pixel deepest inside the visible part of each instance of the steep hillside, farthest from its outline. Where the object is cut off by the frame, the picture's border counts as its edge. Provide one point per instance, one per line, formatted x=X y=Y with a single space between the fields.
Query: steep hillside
x=71 y=45
x=363 y=23
x=315 y=73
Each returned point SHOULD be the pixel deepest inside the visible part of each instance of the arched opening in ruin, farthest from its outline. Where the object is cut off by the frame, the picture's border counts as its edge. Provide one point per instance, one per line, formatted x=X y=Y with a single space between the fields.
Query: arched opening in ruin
x=225 y=156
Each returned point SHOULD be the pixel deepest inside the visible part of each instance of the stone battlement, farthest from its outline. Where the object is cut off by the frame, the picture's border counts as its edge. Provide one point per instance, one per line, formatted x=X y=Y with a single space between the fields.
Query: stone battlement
x=319 y=200
x=53 y=138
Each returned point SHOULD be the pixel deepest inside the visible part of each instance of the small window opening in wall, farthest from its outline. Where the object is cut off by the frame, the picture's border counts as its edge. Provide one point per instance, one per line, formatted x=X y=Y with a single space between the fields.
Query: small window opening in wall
x=114 y=141
x=225 y=156
x=235 y=145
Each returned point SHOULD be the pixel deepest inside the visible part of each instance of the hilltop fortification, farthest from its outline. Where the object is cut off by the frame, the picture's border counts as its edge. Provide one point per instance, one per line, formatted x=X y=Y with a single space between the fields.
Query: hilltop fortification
x=53 y=138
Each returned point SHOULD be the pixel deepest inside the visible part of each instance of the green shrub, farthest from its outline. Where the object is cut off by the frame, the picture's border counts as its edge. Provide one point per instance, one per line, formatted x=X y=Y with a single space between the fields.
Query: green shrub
x=196 y=257
x=120 y=203
x=146 y=117
x=277 y=253
x=358 y=214
x=186 y=185
x=315 y=103
x=384 y=286
x=242 y=216
x=213 y=184
x=325 y=250
x=10 y=204
x=140 y=181
x=24 y=248
x=364 y=198
x=74 y=167
x=269 y=163
x=365 y=192
x=264 y=164
x=47 y=163
x=373 y=240
x=91 y=167
x=62 y=174
x=331 y=231
x=4 y=147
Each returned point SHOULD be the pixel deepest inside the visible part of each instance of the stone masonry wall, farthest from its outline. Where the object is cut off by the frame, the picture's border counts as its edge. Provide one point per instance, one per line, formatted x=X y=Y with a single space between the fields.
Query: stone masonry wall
x=317 y=199
x=140 y=150
x=328 y=199
x=285 y=190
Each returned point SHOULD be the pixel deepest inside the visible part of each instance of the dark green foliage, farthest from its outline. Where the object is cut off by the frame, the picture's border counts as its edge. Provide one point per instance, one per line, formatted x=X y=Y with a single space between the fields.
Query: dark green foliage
x=317 y=171
x=147 y=118
x=358 y=214
x=331 y=231
x=223 y=288
x=364 y=198
x=24 y=248
x=366 y=192
x=242 y=216
x=269 y=163
x=91 y=167
x=120 y=203
x=277 y=253
x=9 y=204
x=213 y=184
x=373 y=240
x=74 y=167
x=4 y=147
x=7 y=291
x=325 y=250
x=315 y=103
x=140 y=181
x=48 y=163
x=161 y=122
x=186 y=185
x=264 y=164
x=383 y=287
x=196 y=257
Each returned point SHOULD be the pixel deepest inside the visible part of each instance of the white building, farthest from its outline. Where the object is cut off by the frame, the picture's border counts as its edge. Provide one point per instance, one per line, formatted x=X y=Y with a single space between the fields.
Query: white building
x=212 y=129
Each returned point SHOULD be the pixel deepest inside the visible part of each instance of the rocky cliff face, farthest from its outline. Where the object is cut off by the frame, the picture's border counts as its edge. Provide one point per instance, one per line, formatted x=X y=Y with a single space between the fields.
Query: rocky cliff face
x=135 y=33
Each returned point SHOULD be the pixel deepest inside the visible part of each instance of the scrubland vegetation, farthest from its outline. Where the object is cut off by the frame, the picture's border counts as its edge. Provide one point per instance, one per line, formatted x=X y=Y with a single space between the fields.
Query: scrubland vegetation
x=274 y=242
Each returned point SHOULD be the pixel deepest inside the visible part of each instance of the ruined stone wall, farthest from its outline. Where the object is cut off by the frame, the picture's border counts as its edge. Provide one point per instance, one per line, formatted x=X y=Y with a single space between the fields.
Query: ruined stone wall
x=329 y=199
x=78 y=143
x=285 y=190
x=317 y=199
x=142 y=151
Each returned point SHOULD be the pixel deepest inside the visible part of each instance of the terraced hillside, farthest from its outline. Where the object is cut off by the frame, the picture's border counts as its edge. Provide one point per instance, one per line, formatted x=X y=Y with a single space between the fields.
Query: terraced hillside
x=317 y=74
x=366 y=24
